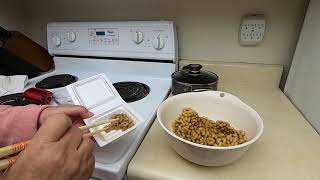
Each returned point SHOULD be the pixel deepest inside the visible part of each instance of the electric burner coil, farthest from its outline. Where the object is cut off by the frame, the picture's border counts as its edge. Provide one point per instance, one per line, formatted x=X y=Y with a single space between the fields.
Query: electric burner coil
x=132 y=91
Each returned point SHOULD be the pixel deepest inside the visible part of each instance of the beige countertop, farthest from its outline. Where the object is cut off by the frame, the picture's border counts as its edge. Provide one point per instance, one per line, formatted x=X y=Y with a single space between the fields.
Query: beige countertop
x=288 y=148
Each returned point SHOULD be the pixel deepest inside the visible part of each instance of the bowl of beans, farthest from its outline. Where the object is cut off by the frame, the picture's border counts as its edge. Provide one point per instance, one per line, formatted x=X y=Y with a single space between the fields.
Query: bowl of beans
x=210 y=128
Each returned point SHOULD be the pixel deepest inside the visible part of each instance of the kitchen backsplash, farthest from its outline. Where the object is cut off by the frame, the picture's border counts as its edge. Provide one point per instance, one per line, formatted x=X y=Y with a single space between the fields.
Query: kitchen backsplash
x=244 y=75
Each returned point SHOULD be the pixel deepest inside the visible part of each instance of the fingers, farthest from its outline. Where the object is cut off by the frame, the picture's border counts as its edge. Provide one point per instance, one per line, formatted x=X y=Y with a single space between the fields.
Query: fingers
x=87 y=159
x=87 y=168
x=76 y=111
x=72 y=138
x=78 y=123
x=91 y=163
x=53 y=128
x=86 y=148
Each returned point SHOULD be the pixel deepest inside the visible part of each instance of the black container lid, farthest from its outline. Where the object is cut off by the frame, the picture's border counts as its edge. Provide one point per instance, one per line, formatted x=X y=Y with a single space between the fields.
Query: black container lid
x=192 y=74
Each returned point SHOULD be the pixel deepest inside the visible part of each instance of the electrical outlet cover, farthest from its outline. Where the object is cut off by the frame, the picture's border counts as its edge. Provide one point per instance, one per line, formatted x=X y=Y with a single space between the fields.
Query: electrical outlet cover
x=252 y=30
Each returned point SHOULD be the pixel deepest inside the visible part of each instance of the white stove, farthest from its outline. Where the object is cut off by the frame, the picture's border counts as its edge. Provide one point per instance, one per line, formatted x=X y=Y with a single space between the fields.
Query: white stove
x=142 y=52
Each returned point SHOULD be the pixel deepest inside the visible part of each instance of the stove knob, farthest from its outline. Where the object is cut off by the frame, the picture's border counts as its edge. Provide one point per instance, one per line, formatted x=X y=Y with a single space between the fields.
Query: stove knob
x=71 y=36
x=56 y=41
x=137 y=37
x=158 y=43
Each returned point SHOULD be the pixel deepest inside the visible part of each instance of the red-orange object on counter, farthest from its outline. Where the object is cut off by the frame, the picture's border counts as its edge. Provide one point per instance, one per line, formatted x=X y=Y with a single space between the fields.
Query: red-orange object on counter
x=38 y=95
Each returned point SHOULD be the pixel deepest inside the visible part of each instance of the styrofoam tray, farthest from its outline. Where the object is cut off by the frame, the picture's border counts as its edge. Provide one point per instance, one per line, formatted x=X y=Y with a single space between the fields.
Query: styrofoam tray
x=100 y=97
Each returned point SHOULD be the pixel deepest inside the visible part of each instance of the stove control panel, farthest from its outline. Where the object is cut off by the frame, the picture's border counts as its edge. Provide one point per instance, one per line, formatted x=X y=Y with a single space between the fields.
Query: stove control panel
x=136 y=40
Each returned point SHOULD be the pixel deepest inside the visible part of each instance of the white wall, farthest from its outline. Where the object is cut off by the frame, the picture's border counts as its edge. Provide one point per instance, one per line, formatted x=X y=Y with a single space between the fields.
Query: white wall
x=303 y=85
x=13 y=15
x=207 y=29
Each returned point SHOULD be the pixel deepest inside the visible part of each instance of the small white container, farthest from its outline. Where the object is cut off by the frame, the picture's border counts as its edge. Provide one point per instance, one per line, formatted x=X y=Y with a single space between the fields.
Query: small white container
x=99 y=96
x=217 y=106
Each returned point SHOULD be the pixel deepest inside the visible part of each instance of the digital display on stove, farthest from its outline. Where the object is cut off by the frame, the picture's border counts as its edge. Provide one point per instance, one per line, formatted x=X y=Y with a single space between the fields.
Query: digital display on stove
x=104 y=36
x=100 y=33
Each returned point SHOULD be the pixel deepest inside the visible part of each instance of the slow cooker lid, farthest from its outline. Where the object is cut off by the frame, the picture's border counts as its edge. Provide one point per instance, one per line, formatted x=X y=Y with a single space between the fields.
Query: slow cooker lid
x=193 y=74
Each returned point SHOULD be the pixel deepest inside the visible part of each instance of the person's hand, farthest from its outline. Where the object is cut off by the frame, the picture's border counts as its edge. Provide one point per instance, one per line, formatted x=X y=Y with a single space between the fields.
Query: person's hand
x=76 y=113
x=57 y=152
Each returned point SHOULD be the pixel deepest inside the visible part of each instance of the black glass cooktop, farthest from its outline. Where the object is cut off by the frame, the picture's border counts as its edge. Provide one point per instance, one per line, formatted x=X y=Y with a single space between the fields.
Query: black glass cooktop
x=132 y=91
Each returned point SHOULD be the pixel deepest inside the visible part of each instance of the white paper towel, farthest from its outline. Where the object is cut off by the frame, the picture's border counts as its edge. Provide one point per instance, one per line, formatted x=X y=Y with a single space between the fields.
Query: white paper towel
x=12 y=84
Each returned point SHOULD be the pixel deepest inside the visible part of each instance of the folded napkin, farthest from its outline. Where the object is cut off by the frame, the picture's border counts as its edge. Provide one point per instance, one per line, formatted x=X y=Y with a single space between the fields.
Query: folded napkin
x=12 y=84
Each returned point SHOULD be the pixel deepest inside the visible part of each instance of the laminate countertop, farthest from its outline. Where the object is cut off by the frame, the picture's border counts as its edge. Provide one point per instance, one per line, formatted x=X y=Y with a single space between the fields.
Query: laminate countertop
x=288 y=148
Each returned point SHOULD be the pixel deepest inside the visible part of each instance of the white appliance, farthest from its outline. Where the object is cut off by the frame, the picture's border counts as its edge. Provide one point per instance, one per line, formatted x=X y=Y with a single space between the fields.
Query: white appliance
x=144 y=52
x=303 y=85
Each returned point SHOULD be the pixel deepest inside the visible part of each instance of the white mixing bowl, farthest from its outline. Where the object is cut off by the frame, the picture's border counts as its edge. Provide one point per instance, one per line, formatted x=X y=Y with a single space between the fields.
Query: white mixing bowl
x=217 y=106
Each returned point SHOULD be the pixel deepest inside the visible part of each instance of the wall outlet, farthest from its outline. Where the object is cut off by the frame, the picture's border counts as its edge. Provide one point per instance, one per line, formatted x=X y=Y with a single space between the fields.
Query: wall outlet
x=252 y=30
